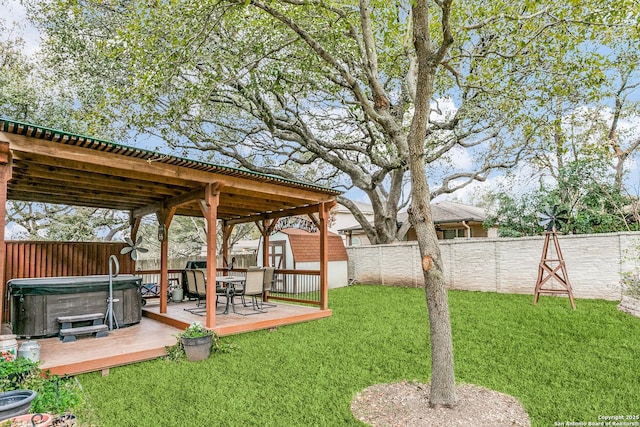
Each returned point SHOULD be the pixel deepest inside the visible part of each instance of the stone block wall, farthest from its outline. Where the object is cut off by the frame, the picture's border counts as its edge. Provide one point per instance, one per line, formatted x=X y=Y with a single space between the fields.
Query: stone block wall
x=507 y=265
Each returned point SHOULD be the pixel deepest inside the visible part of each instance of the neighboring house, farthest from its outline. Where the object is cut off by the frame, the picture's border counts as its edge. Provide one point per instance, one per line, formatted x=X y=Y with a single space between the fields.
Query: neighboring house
x=452 y=220
x=342 y=218
x=243 y=247
x=296 y=249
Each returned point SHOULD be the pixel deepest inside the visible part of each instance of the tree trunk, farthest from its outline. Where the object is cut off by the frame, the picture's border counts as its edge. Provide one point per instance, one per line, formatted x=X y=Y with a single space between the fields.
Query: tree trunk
x=442 y=368
x=443 y=386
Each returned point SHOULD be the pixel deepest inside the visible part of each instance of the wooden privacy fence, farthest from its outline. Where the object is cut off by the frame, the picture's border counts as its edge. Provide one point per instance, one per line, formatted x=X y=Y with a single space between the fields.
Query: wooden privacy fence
x=51 y=259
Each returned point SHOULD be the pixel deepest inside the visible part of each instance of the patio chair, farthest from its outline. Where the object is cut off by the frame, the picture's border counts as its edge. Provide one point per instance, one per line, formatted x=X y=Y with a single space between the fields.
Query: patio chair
x=194 y=292
x=201 y=286
x=269 y=277
x=220 y=291
x=253 y=287
x=189 y=284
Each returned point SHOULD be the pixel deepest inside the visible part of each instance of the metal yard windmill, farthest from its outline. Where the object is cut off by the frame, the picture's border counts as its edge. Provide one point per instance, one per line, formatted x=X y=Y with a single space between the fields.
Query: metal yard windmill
x=552 y=266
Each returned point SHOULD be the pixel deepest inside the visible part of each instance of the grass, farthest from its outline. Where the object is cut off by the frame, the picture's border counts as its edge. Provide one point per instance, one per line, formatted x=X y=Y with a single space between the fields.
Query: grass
x=563 y=365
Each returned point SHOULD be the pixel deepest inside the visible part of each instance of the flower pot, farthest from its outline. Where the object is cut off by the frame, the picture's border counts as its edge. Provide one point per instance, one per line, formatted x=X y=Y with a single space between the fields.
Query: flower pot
x=16 y=402
x=38 y=420
x=8 y=347
x=198 y=348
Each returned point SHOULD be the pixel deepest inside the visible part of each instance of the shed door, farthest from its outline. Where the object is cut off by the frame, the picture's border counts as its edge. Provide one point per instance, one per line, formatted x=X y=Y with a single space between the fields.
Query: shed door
x=277 y=254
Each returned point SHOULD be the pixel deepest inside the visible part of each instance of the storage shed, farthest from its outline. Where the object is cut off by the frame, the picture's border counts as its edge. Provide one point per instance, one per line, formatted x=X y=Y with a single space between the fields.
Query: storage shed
x=297 y=249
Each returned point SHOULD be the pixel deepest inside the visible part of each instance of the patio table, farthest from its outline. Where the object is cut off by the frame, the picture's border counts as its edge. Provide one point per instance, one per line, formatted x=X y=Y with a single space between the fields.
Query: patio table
x=229 y=283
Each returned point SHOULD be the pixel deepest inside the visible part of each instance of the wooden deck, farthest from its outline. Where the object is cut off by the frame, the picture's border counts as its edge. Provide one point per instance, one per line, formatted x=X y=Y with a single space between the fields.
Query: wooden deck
x=148 y=339
x=232 y=323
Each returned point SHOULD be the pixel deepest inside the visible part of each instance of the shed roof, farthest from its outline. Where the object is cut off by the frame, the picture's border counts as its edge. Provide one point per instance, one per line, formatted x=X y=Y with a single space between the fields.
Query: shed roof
x=305 y=246
x=53 y=166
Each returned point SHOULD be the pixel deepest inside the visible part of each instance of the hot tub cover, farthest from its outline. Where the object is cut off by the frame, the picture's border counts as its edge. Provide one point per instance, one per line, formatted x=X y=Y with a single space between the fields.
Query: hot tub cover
x=71 y=284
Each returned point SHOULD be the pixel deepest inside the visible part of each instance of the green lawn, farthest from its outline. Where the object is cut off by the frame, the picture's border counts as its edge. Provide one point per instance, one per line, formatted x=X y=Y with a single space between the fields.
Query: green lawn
x=563 y=365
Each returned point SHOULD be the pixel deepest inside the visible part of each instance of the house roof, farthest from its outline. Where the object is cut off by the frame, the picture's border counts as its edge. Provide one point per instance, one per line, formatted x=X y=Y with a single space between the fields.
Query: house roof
x=446 y=212
x=442 y=213
x=305 y=246
x=53 y=166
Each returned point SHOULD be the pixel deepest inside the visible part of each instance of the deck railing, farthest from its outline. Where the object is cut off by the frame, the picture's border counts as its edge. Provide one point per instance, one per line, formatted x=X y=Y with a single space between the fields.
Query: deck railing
x=297 y=286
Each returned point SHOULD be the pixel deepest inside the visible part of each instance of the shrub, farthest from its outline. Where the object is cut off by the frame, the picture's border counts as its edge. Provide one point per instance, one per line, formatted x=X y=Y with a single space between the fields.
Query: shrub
x=54 y=394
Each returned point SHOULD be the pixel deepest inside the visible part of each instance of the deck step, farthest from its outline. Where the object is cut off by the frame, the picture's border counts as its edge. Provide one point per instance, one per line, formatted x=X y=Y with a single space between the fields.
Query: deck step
x=69 y=334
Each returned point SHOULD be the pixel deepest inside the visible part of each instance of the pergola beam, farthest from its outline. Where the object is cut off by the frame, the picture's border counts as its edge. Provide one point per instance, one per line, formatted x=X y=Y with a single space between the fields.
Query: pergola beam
x=172 y=202
x=280 y=214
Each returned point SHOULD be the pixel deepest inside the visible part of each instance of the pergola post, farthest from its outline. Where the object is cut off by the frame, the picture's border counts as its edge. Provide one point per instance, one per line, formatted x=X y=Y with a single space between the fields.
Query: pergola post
x=164 y=220
x=323 y=214
x=210 y=212
x=5 y=176
x=267 y=228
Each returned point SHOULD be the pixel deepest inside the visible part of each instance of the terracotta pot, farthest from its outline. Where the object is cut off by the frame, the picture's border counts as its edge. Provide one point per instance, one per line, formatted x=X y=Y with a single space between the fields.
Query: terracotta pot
x=197 y=349
x=38 y=420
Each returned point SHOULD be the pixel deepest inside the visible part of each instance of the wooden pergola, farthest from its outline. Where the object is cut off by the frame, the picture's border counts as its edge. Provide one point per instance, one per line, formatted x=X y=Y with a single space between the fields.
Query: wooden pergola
x=44 y=165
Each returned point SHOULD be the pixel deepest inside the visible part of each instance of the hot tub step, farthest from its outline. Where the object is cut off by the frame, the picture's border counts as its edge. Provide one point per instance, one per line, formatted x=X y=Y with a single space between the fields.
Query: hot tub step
x=69 y=334
x=67 y=320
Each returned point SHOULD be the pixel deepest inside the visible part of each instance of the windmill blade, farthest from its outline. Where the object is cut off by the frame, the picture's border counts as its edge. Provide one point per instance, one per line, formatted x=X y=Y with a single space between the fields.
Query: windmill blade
x=562 y=214
x=129 y=241
x=142 y=250
x=544 y=222
x=126 y=250
x=545 y=218
x=544 y=215
x=134 y=255
x=561 y=223
x=139 y=240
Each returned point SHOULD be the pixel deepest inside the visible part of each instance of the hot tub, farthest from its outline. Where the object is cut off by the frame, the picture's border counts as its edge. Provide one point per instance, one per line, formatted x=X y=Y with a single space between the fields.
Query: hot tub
x=37 y=303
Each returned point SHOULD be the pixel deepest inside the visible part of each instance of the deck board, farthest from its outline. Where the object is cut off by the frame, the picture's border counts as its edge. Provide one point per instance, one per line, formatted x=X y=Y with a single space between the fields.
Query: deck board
x=148 y=339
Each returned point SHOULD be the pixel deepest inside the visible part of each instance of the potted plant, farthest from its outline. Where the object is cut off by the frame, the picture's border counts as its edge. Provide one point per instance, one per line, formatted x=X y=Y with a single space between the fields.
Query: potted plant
x=196 y=341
